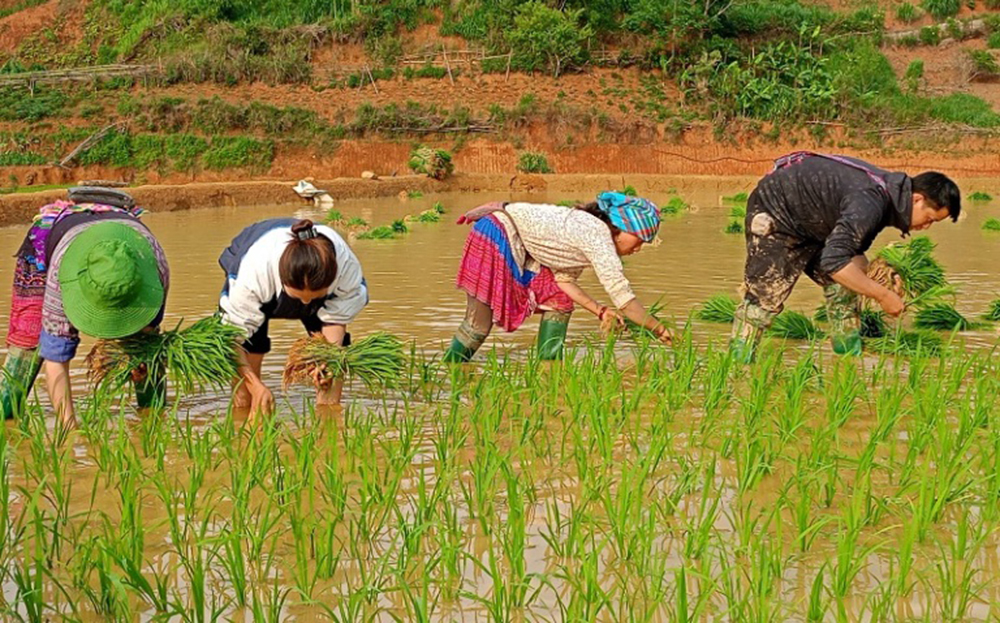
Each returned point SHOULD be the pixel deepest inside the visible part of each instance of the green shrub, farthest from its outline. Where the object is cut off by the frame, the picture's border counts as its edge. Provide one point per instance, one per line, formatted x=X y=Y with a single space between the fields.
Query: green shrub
x=906 y=12
x=240 y=152
x=941 y=9
x=19 y=105
x=930 y=35
x=993 y=41
x=533 y=162
x=914 y=75
x=546 y=38
x=984 y=66
x=427 y=71
x=21 y=158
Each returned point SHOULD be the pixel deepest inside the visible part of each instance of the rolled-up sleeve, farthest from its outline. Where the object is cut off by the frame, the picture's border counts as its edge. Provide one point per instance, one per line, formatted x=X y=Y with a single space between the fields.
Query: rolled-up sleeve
x=860 y=221
x=58 y=348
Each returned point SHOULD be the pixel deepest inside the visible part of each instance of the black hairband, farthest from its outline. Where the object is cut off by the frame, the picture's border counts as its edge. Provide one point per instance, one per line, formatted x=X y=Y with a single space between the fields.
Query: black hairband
x=306 y=234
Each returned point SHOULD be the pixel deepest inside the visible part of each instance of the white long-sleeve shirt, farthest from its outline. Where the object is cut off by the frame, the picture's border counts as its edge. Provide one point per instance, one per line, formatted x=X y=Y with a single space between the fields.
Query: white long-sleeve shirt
x=258 y=281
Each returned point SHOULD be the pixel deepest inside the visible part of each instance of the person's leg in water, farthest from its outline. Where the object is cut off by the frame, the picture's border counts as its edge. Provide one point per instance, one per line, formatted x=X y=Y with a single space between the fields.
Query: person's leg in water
x=774 y=262
x=258 y=345
x=471 y=334
x=843 y=310
x=552 y=334
x=19 y=372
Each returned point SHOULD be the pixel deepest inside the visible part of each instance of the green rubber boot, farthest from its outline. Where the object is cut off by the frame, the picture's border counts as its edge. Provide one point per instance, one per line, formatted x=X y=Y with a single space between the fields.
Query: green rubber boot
x=465 y=344
x=552 y=335
x=843 y=311
x=458 y=352
x=18 y=375
x=749 y=324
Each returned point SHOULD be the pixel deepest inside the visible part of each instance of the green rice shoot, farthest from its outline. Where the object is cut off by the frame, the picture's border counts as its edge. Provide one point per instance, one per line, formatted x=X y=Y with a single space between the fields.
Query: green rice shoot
x=376 y=360
x=734 y=227
x=795 y=325
x=942 y=317
x=980 y=196
x=991 y=224
x=202 y=355
x=720 y=308
x=676 y=205
x=382 y=232
x=915 y=263
x=993 y=314
x=910 y=344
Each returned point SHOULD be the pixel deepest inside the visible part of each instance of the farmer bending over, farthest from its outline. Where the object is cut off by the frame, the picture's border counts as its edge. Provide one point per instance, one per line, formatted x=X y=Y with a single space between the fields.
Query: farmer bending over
x=521 y=258
x=287 y=268
x=86 y=266
x=819 y=214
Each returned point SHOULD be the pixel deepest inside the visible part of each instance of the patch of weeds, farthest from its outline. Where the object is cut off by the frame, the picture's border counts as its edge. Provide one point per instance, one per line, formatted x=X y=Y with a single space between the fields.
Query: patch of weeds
x=533 y=162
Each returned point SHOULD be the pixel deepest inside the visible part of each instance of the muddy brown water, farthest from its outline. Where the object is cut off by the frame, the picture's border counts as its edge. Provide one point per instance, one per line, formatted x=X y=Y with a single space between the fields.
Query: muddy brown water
x=411 y=278
x=412 y=289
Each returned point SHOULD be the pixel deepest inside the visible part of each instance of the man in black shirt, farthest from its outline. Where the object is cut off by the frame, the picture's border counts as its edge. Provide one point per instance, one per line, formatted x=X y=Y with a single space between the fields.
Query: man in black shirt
x=818 y=214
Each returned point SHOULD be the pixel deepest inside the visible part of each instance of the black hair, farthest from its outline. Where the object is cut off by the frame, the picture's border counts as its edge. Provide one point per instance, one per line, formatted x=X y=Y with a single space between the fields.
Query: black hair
x=309 y=262
x=940 y=190
x=594 y=210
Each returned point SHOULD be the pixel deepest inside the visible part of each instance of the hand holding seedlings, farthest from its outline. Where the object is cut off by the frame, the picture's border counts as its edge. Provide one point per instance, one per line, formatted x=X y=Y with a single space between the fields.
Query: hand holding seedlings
x=892 y=304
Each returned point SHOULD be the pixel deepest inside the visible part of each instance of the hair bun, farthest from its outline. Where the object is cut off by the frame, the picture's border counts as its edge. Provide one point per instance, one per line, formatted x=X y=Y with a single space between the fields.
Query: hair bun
x=304 y=229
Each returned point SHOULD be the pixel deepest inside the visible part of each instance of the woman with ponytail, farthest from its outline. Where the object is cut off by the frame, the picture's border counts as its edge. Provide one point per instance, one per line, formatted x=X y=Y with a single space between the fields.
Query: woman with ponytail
x=521 y=258
x=289 y=269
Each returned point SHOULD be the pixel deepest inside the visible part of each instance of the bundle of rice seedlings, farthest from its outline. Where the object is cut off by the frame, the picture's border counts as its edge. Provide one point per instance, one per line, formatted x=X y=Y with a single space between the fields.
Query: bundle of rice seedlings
x=720 y=308
x=357 y=221
x=203 y=354
x=992 y=224
x=915 y=264
x=334 y=216
x=942 y=317
x=734 y=227
x=794 y=325
x=399 y=226
x=376 y=361
x=676 y=205
x=737 y=198
x=379 y=233
x=994 y=312
x=907 y=344
x=428 y=216
x=438 y=207
x=738 y=212
x=569 y=203
x=637 y=330
x=980 y=196
x=820 y=315
x=873 y=324
x=630 y=191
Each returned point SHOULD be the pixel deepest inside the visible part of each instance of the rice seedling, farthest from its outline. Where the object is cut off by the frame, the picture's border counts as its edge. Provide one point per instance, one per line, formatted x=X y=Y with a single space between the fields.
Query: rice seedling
x=873 y=324
x=740 y=197
x=721 y=308
x=795 y=325
x=399 y=226
x=914 y=262
x=202 y=355
x=980 y=196
x=414 y=194
x=991 y=224
x=734 y=227
x=907 y=344
x=675 y=205
x=376 y=360
x=429 y=216
x=334 y=216
x=383 y=232
x=993 y=314
x=942 y=317
x=738 y=212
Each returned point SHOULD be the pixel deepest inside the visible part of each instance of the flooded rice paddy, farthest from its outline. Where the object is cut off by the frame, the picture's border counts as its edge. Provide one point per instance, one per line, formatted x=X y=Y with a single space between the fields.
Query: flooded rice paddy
x=631 y=483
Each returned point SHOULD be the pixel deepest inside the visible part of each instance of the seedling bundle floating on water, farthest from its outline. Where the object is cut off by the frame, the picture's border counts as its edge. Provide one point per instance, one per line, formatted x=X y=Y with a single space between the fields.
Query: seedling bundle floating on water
x=942 y=317
x=204 y=354
x=720 y=308
x=376 y=361
x=907 y=344
x=794 y=325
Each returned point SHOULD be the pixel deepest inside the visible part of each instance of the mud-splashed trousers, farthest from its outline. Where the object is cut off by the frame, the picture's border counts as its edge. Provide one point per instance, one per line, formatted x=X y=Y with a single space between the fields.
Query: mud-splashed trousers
x=775 y=260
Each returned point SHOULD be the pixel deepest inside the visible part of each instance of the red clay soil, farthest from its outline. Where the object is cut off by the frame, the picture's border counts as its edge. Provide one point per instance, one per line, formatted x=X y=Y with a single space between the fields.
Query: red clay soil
x=64 y=17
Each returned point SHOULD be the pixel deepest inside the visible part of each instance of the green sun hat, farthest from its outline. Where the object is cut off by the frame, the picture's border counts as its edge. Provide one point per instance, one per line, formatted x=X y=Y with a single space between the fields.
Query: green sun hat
x=110 y=283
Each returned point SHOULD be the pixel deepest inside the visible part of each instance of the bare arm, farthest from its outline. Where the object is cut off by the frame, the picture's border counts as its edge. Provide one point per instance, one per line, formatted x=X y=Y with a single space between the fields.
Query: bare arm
x=633 y=310
x=331 y=394
x=60 y=392
x=261 y=398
